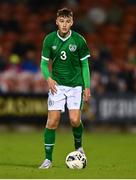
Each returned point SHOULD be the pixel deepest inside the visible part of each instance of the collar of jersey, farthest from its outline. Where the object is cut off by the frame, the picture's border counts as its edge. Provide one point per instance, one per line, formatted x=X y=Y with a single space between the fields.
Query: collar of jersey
x=64 y=39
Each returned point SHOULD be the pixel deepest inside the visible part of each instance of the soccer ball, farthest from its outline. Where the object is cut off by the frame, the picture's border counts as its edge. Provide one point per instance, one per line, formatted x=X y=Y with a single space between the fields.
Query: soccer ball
x=76 y=160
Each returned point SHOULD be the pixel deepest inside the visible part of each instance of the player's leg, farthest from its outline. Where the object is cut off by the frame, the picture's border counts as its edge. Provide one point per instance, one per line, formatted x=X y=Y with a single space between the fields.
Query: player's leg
x=56 y=104
x=77 y=127
x=49 y=137
x=49 y=134
x=74 y=103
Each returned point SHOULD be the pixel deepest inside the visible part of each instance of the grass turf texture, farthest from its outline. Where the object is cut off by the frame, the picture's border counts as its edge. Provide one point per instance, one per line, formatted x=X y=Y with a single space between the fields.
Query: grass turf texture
x=109 y=156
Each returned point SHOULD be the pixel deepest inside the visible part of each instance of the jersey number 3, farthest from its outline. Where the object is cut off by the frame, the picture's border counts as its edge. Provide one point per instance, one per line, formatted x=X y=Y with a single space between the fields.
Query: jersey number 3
x=63 y=55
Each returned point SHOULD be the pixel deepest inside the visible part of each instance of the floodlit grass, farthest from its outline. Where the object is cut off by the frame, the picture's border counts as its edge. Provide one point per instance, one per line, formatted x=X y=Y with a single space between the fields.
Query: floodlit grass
x=109 y=155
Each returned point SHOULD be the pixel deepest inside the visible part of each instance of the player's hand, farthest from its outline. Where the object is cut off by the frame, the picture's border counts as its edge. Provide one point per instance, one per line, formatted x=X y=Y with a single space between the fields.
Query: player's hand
x=87 y=94
x=52 y=85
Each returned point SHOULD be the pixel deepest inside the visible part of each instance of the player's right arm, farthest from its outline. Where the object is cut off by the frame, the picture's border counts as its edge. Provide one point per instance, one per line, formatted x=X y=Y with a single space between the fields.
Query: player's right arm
x=46 y=51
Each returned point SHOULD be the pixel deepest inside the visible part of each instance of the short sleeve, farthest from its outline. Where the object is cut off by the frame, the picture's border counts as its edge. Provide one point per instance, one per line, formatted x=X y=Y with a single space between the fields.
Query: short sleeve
x=84 y=51
x=46 y=50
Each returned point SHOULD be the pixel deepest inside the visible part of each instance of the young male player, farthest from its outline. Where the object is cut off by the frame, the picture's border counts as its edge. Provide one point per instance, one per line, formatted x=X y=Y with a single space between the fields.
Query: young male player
x=69 y=79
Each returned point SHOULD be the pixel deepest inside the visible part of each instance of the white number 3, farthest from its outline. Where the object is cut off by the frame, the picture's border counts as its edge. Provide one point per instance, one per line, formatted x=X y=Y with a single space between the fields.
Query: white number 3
x=63 y=55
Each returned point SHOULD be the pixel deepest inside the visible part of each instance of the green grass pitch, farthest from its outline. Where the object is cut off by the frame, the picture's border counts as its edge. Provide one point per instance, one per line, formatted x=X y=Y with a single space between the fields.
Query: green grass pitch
x=109 y=155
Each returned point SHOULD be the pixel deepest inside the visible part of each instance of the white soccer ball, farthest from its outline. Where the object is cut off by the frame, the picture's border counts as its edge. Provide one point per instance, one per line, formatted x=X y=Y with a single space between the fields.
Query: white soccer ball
x=76 y=160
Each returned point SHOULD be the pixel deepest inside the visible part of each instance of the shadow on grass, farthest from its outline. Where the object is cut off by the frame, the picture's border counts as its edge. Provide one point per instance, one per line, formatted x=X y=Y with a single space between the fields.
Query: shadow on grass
x=20 y=165
x=35 y=166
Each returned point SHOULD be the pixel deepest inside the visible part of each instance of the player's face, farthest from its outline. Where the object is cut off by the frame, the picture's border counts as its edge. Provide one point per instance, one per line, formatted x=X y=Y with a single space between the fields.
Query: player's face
x=64 y=24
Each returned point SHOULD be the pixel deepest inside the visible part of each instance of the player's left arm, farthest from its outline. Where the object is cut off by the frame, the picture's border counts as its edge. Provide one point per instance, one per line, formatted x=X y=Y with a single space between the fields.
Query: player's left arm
x=86 y=79
x=84 y=54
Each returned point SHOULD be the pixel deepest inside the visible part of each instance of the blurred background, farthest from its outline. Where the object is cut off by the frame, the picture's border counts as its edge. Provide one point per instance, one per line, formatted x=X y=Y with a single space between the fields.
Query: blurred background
x=109 y=27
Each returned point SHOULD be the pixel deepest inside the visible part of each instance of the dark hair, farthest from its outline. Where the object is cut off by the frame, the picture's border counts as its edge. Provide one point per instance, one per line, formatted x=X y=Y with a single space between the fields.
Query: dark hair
x=64 y=12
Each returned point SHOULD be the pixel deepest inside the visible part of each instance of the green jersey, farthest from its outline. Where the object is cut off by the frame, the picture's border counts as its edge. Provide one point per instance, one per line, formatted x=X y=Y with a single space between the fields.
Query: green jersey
x=66 y=55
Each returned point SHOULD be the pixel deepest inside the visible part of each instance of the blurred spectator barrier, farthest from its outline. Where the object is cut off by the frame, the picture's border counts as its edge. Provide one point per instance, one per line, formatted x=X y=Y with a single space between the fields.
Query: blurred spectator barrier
x=23 y=108
x=33 y=108
x=116 y=108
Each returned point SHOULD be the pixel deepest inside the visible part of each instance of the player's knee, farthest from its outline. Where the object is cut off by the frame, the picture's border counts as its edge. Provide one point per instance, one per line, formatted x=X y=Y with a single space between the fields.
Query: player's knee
x=51 y=125
x=75 y=122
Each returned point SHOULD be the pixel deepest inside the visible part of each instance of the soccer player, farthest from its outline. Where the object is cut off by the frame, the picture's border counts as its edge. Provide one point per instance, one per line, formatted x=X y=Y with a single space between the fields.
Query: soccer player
x=69 y=81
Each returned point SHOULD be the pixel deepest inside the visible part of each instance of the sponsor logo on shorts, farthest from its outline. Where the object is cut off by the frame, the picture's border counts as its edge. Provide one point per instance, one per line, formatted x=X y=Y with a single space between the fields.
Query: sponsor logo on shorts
x=51 y=102
x=75 y=103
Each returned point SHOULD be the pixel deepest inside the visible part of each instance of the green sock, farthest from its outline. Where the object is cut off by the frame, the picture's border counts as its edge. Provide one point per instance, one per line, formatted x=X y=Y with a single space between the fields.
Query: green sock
x=77 y=133
x=49 y=140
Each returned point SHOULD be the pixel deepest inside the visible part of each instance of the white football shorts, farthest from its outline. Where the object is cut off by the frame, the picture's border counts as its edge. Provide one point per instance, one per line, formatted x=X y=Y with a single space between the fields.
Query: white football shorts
x=71 y=96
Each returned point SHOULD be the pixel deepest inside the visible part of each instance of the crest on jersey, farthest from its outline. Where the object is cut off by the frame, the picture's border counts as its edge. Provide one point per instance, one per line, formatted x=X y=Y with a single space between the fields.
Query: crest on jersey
x=54 y=47
x=72 y=47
